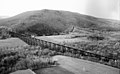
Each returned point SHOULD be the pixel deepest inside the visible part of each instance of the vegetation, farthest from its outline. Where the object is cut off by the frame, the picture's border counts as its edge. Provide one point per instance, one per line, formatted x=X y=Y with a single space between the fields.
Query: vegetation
x=96 y=37
x=4 y=32
x=107 y=48
x=24 y=57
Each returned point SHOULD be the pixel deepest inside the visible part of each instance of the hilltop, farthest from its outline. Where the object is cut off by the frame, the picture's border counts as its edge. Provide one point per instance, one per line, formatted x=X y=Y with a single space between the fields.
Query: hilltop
x=53 y=21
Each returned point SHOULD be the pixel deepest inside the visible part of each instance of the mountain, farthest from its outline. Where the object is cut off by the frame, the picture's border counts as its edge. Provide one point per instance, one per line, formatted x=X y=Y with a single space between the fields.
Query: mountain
x=54 y=21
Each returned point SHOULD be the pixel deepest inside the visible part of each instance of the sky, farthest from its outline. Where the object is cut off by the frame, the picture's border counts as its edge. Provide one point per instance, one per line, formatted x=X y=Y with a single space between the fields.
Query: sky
x=100 y=8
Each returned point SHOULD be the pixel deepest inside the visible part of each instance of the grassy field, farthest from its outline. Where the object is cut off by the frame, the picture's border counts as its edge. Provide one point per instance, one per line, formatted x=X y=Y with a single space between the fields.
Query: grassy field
x=69 y=38
x=53 y=70
x=28 y=71
x=11 y=42
x=79 y=66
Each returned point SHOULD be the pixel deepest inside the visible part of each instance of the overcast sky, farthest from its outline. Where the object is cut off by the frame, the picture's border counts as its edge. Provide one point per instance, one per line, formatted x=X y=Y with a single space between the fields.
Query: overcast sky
x=100 y=8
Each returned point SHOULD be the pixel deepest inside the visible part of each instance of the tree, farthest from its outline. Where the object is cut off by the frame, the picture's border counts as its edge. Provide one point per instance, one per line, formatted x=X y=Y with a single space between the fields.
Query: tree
x=4 y=32
x=96 y=37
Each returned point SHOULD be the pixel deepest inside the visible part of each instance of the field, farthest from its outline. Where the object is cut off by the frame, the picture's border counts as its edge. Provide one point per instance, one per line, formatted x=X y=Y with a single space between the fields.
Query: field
x=78 y=66
x=53 y=70
x=79 y=37
x=62 y=39
x=28 y=71
x=11 y=42
x=70 y=65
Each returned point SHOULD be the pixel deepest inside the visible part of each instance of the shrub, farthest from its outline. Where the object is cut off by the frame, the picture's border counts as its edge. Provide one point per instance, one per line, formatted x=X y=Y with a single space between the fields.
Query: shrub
x=95 y=37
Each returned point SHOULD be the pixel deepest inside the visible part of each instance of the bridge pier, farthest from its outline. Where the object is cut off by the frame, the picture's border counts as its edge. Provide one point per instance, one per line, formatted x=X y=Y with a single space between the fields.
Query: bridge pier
x=57 y=46
x=35 y=41
x=62 y=49
x=42 y=43
x=31 y=41
x=45 y=43
x=48 y=44
x=66 y=49
x=27 y=40
x=54 y=46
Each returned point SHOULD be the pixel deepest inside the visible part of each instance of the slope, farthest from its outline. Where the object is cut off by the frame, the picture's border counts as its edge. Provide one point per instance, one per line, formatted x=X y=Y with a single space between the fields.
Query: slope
x=54 y=21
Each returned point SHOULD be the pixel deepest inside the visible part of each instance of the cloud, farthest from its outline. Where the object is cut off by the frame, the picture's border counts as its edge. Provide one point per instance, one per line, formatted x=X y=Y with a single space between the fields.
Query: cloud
x=104 y=8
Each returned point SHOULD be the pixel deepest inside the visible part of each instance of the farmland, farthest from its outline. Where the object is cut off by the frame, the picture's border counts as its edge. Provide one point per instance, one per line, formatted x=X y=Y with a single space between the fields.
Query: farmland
x=11 y=42
x=79 y=66
x=62 y=39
